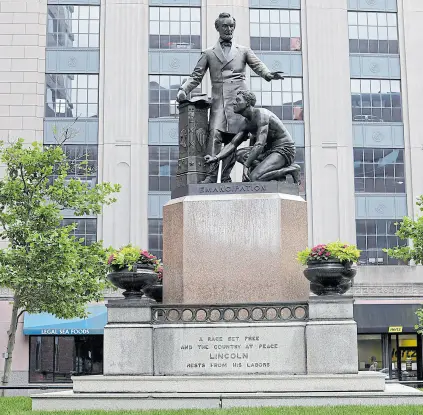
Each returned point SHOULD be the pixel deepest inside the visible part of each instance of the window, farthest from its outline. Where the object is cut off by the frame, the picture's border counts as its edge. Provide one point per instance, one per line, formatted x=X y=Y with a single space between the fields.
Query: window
x=82 y=160
x=373 y=32
x=54 y=359
x=275 y=30
x=155 y=237
x=162 y=95
x=369 y=352
x=73 y=26
x=71 y=95
x=85 y=228
x=373 y=235
x=175 y=28
x=376 y=100
x=379 y=170
x=163 y=162
x=283 y=97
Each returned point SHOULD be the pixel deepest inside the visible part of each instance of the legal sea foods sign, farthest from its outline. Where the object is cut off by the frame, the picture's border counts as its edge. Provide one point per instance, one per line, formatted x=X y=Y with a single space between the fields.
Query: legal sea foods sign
x=66 y=332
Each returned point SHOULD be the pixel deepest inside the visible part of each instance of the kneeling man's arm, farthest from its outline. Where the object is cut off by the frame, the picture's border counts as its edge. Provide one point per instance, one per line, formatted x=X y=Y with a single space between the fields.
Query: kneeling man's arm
x=262 y=132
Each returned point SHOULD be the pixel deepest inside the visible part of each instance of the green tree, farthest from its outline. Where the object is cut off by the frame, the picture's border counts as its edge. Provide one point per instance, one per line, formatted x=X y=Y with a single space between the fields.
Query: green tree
x=411 y=229
x=47 y=268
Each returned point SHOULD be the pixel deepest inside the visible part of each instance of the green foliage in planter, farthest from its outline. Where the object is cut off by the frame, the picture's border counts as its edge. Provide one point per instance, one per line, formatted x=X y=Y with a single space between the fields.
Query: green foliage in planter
x=328 y=252
x=128 y=256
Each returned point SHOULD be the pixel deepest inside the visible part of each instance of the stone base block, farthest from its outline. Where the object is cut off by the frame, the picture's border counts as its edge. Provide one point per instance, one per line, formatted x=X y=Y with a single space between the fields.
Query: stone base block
x=331 y=336
x=234 y=248
x=394 y=394
x=128 y=349
x=361 y=382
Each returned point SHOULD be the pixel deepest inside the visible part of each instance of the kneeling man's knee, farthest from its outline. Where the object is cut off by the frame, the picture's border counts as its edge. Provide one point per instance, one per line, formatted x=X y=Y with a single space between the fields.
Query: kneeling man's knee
x=254 y=176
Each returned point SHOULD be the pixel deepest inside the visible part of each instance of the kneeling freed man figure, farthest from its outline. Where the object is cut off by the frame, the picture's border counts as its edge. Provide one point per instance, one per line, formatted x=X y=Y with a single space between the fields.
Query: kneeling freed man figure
x=271 y=153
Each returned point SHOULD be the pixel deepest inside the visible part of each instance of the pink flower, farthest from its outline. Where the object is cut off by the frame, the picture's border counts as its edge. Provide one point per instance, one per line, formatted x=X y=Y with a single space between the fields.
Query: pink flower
x=110 y=260
x=327 y=253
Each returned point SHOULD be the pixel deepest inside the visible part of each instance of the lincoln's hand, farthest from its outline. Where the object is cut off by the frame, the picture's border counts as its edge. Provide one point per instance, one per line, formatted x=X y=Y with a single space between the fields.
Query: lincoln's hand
x=276 y=75
x=181 y=96
x=210 y=159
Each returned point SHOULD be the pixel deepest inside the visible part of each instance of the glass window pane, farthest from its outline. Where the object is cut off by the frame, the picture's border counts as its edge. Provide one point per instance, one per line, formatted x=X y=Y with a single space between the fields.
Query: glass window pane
x=274 y=17
x=295 y=16
x=275 y=30
x=371 y=19
x=175 y=15
x=195 y=28
x=284 y=16
x=382 y=33
x=352 y=18
x=185 y=14
x=392 y=33
x=164 y=13
x=295 y=30
x=362 y=32
x=381 y=19
x=254 y=16
x=154 y=28
x=391 y=19
x=362 y=19
x=94 y=12
x=195 y=14
x=264 y=16
x=154 y=13
x=353 y=32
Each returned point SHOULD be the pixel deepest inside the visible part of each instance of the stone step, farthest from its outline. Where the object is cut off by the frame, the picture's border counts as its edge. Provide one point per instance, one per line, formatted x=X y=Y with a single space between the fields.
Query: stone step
x=360 y=382
x=394 y=394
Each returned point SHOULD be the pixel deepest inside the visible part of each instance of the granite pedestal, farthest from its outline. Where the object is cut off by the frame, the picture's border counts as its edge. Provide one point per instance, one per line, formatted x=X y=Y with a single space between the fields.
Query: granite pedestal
x=237 y=327
x=223 y=247
x=207 y=356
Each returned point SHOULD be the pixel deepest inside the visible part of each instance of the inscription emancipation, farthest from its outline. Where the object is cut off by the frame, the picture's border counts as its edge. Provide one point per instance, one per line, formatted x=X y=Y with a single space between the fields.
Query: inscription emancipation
x=233 y=188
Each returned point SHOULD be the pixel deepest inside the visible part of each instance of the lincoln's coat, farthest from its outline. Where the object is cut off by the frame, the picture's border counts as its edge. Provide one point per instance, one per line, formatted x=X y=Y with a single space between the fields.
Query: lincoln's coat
x=227 y=77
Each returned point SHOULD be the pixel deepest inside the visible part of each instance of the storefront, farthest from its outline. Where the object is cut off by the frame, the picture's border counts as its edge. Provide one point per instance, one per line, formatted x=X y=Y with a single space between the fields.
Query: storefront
x=387 y=340
x=59 y=349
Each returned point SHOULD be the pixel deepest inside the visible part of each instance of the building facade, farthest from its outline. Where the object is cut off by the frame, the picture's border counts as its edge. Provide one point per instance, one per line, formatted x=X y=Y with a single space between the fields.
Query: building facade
x=104 y=75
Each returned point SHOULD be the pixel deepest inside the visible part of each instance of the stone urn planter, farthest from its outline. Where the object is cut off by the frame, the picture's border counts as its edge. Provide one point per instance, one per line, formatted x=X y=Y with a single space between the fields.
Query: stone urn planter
x=155 y=292
x=329 y=277
x=134 y=282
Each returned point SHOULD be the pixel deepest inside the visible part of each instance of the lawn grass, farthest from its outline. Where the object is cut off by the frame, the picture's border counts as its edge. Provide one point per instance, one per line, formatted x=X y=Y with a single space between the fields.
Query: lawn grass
x=22 y=406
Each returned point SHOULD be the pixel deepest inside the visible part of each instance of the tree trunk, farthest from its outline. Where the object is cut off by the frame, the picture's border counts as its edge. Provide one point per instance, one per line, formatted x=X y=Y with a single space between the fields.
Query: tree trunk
x=10 y=344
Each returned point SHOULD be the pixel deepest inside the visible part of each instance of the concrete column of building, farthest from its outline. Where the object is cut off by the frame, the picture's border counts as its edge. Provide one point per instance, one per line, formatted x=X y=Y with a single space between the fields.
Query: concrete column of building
x=410 y=17
x=123 y=144
x=22 y=69
x=327 y=116
x=240 y=10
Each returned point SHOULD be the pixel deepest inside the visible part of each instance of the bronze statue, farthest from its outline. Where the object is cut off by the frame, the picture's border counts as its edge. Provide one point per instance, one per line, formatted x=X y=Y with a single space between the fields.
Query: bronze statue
x=226 y=62
x=271 y=153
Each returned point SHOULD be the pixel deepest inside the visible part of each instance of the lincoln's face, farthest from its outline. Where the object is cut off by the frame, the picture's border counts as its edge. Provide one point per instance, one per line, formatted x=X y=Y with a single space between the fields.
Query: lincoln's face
x=240 y=104
x=226 y=28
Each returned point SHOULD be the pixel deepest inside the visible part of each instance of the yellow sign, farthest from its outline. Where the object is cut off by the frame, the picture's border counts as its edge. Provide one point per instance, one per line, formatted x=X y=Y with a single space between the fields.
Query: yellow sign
x=395 y=329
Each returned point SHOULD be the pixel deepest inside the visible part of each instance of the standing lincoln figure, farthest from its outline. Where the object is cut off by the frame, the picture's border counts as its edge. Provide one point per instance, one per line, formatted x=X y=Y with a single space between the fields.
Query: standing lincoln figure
x=227 y=63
